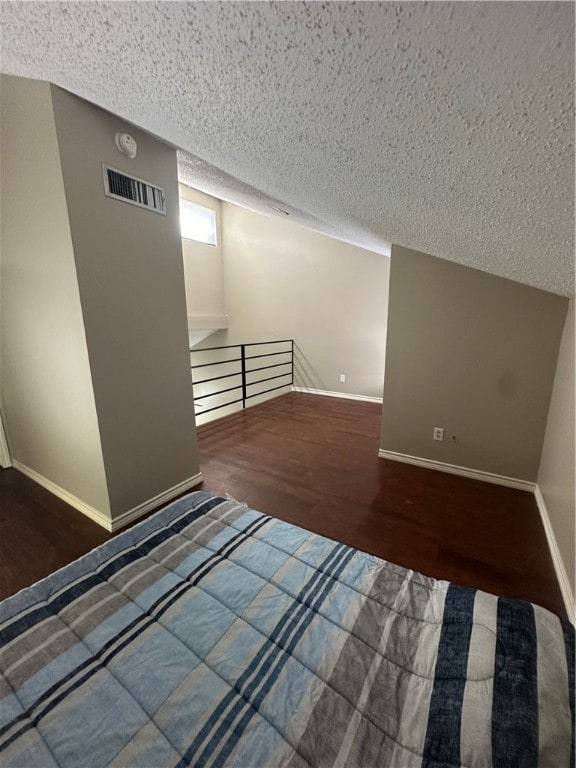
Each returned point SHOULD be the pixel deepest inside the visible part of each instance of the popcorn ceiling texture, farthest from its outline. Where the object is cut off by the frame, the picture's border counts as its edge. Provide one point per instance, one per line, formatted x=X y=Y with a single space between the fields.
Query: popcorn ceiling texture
x=443 y=127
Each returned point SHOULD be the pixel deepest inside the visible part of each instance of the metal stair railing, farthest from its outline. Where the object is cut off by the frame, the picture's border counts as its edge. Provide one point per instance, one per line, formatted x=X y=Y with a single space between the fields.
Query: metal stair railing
x=240 y=368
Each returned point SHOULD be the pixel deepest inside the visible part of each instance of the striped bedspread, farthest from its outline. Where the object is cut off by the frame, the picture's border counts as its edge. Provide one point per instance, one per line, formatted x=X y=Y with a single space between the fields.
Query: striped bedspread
x=214 y=635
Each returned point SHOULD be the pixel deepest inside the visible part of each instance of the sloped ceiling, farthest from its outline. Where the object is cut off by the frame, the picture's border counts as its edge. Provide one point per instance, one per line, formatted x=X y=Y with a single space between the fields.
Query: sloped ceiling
x=443 y=127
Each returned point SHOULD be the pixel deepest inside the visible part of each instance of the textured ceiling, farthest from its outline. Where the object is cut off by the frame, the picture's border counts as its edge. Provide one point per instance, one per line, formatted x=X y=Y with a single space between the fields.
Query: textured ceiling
x=443 y=127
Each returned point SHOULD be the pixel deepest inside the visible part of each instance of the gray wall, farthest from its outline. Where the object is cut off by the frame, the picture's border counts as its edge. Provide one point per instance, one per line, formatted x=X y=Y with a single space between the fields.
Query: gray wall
x=556 y=475
x=131 y=283
x=472 y=353
x=46 y=388
x=285 y=281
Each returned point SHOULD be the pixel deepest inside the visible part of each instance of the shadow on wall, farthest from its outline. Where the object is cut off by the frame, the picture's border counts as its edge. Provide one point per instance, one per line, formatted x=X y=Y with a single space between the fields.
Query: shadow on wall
x=305 y=374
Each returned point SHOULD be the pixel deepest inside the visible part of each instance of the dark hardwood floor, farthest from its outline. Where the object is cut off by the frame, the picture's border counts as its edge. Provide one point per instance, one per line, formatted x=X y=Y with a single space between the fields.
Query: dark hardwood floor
x=39 y=533
x=313 y=461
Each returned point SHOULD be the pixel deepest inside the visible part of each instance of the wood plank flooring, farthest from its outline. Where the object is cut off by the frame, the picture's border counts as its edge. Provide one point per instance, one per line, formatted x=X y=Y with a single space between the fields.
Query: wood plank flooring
x=313 y=461
x=39 y=533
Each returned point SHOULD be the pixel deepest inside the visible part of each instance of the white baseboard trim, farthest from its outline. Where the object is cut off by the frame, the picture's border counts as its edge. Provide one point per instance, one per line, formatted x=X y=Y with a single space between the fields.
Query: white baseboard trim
x=99 y=517
x=342 y=395
x=91 y=512
x=454 y=469
x=156 y=501
x=561 y=573
x=5 y=459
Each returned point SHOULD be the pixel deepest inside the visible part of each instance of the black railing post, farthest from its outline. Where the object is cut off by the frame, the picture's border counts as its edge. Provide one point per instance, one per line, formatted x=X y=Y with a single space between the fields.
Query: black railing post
x=243 y=359
x=292 y=362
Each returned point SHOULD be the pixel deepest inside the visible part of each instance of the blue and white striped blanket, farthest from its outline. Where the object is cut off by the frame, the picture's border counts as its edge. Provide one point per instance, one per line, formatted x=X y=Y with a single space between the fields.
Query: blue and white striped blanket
x=213 y=635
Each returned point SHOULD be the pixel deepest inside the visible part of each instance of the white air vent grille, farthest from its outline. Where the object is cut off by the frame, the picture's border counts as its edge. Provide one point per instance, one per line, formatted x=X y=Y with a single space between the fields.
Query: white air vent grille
x=130 y=189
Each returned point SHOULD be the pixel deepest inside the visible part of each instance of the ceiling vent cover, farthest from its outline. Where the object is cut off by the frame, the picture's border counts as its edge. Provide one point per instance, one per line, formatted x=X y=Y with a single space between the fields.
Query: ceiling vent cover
x=130 y=189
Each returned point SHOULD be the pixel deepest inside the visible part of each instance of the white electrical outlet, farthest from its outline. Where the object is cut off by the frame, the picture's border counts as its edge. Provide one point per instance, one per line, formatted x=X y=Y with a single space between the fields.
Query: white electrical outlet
x=342 y=377
x=438 y=433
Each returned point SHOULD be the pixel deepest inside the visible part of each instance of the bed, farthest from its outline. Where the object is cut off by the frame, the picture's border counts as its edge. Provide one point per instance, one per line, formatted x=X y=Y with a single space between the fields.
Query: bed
x=214 y=635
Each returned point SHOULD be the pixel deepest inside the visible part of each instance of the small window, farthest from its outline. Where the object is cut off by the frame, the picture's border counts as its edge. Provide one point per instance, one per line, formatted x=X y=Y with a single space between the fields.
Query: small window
x=197 y=222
